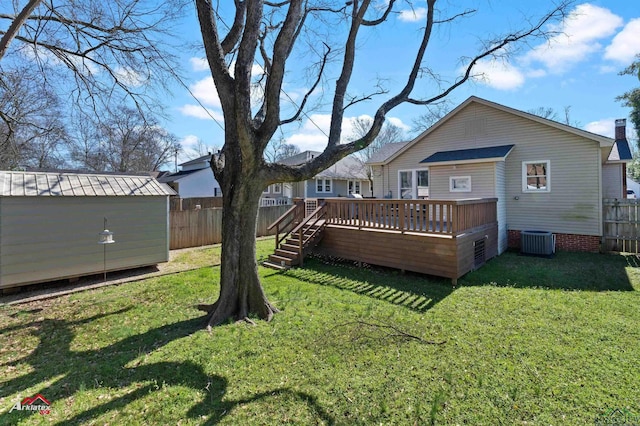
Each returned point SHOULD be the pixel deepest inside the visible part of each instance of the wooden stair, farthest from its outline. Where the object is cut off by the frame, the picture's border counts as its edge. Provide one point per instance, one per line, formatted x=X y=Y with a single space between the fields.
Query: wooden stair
x=295 y=244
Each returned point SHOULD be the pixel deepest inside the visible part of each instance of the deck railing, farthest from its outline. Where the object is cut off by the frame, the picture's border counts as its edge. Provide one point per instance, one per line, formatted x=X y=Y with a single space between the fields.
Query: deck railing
x=446 y=217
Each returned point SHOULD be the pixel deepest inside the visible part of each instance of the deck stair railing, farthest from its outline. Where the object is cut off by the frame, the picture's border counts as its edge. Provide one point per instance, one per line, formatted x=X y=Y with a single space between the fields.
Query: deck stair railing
x=292 y=245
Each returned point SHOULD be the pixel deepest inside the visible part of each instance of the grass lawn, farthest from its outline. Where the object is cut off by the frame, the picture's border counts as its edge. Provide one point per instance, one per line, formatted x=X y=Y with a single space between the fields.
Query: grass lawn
x=521 y=341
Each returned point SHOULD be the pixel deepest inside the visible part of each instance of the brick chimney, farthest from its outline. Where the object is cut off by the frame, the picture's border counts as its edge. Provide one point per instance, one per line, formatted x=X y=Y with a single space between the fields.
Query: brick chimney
x=621 y=129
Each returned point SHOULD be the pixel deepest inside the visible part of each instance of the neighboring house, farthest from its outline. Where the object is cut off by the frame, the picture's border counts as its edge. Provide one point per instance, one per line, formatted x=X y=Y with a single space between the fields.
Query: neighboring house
x=347 y=176
x=546 y=175
x=380 y=173
x=633 y=186
x=50 y=224
x=194 y=180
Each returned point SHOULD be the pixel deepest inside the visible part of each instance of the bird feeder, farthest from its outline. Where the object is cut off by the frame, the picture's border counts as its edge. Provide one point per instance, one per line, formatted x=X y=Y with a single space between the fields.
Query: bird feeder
x=106 y=237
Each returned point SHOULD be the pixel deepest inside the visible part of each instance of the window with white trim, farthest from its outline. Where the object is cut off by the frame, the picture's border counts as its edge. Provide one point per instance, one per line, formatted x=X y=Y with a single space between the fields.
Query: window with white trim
x=535 y=176
x=422 y=181
x=276 y=188
x=323 y=185
x=354 y=187
x=460 y=184
x=406 y=184
x=413 y=183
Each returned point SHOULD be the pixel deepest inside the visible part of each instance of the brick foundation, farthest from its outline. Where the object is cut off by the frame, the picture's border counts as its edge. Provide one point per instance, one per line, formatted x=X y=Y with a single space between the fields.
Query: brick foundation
x=564 y=242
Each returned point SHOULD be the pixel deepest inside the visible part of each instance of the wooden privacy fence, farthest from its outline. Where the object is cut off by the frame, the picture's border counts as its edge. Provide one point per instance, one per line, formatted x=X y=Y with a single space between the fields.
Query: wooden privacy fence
x=178 y=204
x=621 y=225
x=194 y=228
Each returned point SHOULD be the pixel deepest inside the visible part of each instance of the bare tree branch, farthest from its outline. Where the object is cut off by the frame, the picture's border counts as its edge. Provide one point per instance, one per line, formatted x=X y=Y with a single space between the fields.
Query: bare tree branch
x=18 y=22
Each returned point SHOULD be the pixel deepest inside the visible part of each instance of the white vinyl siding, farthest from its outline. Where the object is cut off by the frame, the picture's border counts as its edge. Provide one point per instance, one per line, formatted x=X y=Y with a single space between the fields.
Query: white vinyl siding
x=482 y=178
x=574 y=204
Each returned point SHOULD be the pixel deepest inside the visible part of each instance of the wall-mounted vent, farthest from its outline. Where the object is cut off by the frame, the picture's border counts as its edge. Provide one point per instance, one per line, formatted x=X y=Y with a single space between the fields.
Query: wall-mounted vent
x=538 y=243
x=479 y=253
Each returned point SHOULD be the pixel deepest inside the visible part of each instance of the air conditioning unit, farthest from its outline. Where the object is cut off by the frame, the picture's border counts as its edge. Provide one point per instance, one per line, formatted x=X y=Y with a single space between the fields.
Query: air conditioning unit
x=538 y=243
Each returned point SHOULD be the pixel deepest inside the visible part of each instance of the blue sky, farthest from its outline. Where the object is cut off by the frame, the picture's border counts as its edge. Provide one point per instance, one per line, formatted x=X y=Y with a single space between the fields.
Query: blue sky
x=578 y=68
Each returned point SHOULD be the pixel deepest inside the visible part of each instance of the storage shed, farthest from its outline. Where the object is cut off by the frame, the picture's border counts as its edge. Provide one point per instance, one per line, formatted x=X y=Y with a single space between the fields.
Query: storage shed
x=50 y=224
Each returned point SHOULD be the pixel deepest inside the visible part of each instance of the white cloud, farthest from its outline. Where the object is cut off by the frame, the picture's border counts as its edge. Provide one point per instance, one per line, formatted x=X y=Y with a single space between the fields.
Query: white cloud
x=313 y=133
x=199 y=64
x=130 y=77
x=536 y=73
x=205 y=91
x=398 y=123
x=608 y=69
x=607 y=126
x=189 y=141
x=625 y=45
x=413 y=15
x=191 y=110
x=498 y=74
x=577 y=37
x=604 y=127
x=308 y=142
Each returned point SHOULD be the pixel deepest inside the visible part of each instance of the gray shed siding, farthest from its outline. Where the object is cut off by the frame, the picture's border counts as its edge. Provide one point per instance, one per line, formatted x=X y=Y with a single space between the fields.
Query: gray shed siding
x=573 y=204
x=49 y=238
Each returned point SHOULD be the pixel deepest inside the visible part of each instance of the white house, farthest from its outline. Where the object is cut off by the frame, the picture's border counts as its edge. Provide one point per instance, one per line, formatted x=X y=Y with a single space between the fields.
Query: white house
x=194 y=180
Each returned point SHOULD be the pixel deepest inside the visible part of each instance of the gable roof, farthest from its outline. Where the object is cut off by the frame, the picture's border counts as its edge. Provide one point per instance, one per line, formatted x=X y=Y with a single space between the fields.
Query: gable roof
x=347 y=168
x=620 y=152
x=37 y=184
x=179 y=175
x=474 y=155
x=298 y=159
x=385 y=152
x=602 y=140
x=204 y=158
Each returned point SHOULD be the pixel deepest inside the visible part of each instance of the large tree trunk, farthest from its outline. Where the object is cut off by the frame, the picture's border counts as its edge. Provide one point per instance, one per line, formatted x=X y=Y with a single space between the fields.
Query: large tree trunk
x=241 y=294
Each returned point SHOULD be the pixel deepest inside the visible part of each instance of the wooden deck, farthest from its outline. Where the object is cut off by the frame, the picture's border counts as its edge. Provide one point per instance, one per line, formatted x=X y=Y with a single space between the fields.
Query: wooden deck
x=435 y=237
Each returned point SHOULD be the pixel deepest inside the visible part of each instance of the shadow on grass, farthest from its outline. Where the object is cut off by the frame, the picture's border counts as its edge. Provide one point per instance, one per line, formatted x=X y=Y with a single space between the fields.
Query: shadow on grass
x=565 y=271
x=414 y=291
x=71 y=372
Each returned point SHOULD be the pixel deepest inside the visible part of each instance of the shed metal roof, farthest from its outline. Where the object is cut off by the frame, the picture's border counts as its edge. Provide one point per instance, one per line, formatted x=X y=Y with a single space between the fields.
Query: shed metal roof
x=490 y=153
x=37 y=184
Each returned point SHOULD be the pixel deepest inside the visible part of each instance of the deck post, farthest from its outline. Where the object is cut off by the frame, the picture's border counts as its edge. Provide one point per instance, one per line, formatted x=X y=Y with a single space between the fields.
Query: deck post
x=454 y=220
x=300 y=236
x=401 y=214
